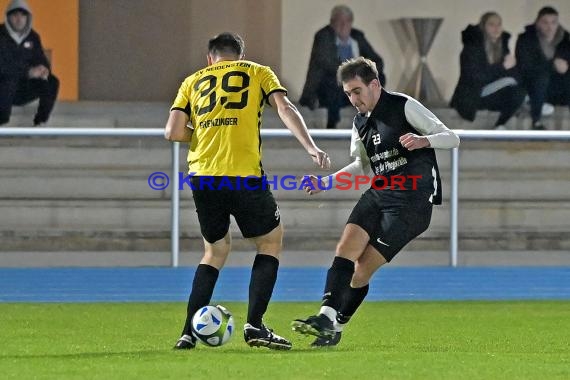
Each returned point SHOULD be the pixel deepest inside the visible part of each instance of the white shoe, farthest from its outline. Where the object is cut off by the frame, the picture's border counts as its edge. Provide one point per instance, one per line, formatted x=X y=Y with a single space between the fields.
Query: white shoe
x=500 y=128
x=547 y=109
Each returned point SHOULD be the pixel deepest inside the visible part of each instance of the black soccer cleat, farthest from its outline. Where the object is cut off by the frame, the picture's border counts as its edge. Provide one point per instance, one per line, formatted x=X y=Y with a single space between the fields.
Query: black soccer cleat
x=317 y=325
x=186 y=342
x=327 y=342
x=264 y=337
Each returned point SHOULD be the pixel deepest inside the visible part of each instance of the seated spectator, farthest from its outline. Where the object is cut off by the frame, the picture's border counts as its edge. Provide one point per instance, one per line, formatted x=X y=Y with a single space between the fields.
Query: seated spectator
x=488 y=78
x=543 y=55
x=334 y=44
x=25 y=73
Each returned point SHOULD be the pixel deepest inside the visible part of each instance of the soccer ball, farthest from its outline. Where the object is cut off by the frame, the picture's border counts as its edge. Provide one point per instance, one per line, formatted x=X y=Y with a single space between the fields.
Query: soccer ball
x=213 y=325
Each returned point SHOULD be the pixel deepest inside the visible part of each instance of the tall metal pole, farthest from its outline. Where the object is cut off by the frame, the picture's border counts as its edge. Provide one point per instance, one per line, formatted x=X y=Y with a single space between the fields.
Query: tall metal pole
x=454 y=200
x=175 y=206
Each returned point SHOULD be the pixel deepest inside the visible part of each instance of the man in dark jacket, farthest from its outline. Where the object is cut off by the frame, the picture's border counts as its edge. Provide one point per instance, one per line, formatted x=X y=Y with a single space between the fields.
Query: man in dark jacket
x=334 y=44
x=543 y=56
x=25 y=73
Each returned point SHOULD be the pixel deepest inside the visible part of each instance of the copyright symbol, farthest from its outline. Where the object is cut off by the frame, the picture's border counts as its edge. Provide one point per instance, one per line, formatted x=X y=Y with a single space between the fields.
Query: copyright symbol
x=158 y=181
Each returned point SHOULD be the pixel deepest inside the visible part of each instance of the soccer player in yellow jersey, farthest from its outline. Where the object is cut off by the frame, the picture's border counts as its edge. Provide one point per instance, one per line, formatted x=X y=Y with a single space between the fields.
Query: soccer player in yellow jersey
x=218 y=112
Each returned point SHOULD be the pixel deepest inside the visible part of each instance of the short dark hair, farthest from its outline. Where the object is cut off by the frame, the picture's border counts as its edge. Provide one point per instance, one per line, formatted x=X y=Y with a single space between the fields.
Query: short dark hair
x=361 y=67
x=546 y=11
x=226 y=43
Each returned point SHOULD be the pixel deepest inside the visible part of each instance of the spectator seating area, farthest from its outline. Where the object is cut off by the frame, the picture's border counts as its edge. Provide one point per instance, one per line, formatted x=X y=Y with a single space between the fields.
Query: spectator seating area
x=91 y=193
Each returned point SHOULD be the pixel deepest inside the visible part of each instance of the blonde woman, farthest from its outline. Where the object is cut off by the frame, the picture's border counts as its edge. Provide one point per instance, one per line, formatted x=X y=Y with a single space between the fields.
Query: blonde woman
x=488 y=78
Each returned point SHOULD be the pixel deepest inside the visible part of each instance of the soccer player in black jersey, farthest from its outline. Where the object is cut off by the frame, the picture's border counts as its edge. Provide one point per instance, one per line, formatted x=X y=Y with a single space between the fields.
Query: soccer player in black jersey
x=394 y=136
x=218 y=113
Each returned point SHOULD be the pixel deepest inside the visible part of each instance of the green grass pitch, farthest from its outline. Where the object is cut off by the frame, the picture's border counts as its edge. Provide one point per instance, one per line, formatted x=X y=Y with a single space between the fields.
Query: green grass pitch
x=385 y=340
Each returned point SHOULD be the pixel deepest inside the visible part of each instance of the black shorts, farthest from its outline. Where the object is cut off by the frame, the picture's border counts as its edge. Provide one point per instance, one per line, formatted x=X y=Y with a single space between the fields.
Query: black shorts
x=391 y=218
x=248 y=200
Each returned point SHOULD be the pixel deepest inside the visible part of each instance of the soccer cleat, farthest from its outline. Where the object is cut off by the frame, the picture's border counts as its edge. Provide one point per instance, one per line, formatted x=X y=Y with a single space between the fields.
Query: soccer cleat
x=327 y=342
x=186 y=342
x=317 y=325
x=264 y=337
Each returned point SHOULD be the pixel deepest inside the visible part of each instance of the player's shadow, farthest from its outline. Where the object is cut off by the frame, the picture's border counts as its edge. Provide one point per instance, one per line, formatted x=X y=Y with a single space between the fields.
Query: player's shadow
x=265 y=351
x=211 y=351
x=86 y=355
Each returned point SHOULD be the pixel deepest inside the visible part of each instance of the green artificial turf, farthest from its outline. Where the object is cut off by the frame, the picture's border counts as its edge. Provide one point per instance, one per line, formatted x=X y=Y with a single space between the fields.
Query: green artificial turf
x=385 y=340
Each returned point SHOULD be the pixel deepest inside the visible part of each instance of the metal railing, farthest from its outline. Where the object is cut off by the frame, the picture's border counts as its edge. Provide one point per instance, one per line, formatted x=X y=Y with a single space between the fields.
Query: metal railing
x=465 y=135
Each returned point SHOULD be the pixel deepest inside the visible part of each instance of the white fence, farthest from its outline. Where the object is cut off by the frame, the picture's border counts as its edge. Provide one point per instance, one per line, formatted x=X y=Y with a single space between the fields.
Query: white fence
x=284 y=133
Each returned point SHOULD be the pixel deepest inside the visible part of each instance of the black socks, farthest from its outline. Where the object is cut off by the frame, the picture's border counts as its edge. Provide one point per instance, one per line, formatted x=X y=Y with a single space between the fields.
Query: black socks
x=202 y=288
x=352 y=300
x=338 y=282
x=263 y=278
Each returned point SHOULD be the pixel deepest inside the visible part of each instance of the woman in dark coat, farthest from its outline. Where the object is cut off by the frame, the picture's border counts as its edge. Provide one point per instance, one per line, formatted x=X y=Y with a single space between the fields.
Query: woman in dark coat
x=488 y=78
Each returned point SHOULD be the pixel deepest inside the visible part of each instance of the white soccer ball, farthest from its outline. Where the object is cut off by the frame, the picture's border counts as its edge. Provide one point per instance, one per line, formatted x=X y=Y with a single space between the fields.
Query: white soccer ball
x=213 y=325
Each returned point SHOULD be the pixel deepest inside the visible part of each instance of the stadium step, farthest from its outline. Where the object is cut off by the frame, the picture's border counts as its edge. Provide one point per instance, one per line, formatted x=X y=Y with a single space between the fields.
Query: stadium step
x=92 y=193
x=316 y=224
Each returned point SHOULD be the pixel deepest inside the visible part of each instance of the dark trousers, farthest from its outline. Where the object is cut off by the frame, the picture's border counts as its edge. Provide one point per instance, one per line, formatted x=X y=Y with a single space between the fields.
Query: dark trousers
x=333 y=99
x=507 y=101
x=17 y=92
x=547 y=87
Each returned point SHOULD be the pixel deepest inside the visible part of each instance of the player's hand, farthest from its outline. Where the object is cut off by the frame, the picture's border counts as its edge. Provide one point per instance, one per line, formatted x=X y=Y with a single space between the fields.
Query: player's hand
x=318 y=185
x=320 y=158
x=561 y=65
x=411 y=141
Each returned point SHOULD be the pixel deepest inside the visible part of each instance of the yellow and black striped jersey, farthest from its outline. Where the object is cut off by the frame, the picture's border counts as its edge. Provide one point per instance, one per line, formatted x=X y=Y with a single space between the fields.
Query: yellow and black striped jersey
x=224 y=103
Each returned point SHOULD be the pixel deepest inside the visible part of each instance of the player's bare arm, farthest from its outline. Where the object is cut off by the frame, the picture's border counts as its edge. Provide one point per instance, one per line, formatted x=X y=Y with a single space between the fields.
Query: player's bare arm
x=295 y=123
x=411 y=141
x=357 y=167
x=176 y=129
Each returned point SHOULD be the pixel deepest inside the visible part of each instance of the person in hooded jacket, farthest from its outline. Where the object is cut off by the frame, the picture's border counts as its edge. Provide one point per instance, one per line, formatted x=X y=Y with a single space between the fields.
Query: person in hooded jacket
x=25 y=73
x=488 y=78
x=543 y=54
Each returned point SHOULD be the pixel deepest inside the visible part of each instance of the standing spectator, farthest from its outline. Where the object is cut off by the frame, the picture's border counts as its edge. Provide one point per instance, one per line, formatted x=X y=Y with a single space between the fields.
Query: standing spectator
x=25 y=73
x=543 y=55
x=488 y=73
x=334 y=44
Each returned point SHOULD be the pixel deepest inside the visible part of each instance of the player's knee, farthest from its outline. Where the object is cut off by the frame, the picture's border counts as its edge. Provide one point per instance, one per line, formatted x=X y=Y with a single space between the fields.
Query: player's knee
x=347 y=250
x=275 y=236
x=270 y=248
x=340 y=248
x=215 y=260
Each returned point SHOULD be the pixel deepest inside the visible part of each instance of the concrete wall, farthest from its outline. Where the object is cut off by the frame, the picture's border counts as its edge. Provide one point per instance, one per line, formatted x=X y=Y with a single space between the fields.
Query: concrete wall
x=140 y=50
x=301 y=19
